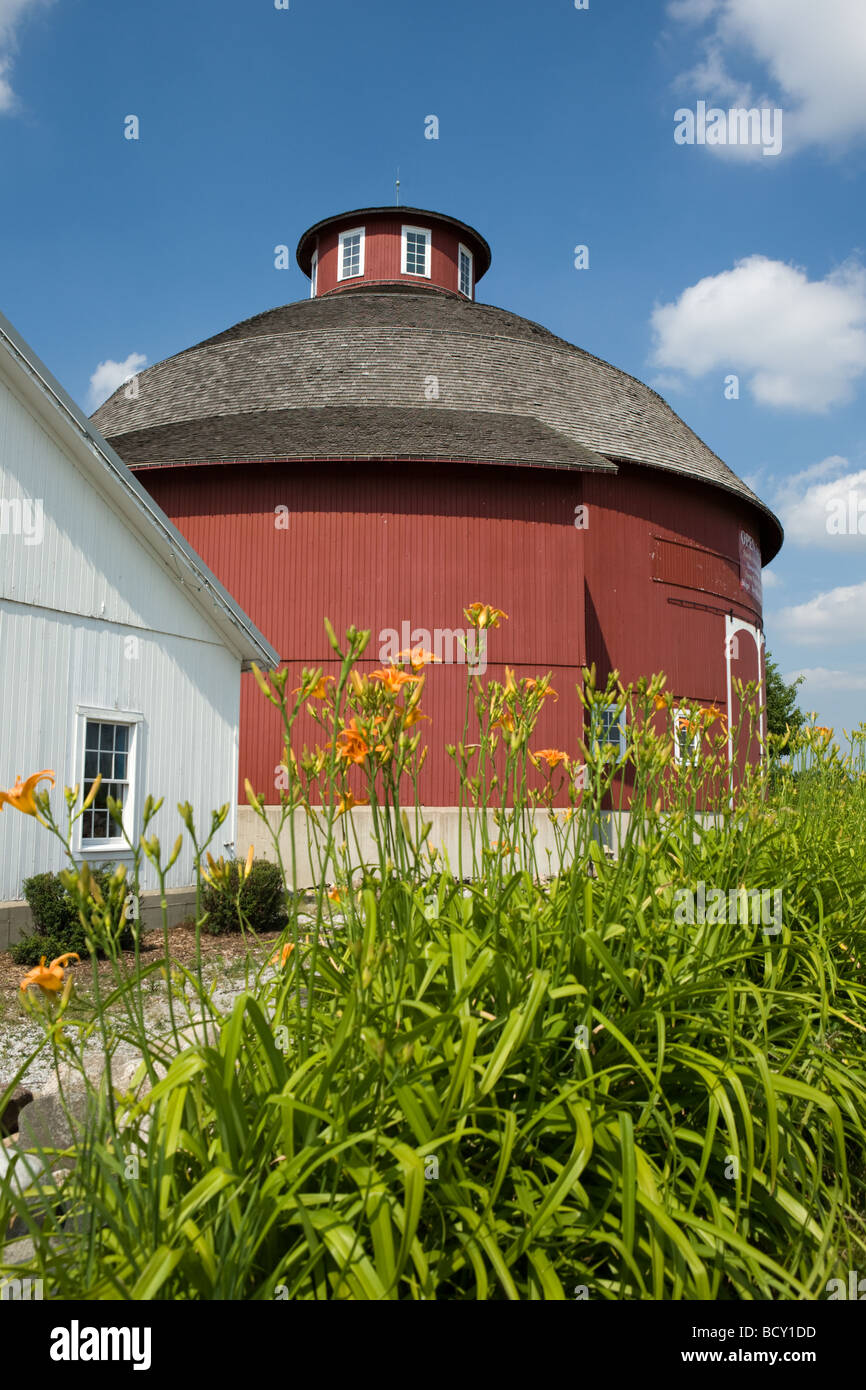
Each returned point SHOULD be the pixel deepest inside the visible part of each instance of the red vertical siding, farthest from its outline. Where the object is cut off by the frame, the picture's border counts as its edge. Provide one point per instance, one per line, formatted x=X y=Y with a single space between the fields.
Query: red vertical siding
x=378 y=545
x=675 y=624
x=383 y=253
x=381 y=545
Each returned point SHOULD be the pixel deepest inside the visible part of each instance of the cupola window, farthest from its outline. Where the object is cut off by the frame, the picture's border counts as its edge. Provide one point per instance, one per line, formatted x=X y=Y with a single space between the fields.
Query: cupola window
x=314 y=275
x=466 y=272
x=351 y=254
x=416 y=251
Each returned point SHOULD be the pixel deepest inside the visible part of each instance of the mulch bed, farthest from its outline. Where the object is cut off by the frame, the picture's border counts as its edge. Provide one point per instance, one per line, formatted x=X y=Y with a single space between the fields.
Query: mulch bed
x=219 y=950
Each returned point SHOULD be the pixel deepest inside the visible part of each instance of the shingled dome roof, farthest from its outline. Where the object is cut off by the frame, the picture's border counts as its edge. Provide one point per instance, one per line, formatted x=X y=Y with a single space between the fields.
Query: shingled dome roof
x=405 y=373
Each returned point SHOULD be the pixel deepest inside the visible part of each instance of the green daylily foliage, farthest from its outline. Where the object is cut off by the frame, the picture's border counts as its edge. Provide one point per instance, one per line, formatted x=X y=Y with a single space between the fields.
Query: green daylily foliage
x=516 y=1088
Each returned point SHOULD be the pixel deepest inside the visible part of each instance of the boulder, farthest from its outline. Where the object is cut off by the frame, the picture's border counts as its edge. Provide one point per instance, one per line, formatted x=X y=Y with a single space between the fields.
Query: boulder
x=56 y=1114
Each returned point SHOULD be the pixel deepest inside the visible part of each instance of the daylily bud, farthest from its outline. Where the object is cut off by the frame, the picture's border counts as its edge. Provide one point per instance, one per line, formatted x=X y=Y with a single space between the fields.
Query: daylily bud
x=176 y=849
x=88 y=800
x=263 y=685
x=252 y=797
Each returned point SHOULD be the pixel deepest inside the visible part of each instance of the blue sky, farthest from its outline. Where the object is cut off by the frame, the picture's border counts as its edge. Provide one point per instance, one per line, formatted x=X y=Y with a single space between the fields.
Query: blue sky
x=556 y=130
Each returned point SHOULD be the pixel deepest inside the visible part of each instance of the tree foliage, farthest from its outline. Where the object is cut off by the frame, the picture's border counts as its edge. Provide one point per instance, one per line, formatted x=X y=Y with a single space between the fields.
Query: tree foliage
x=782 y=708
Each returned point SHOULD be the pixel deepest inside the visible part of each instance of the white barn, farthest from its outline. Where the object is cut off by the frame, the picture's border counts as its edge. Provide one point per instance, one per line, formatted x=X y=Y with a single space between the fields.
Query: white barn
x=119 y=651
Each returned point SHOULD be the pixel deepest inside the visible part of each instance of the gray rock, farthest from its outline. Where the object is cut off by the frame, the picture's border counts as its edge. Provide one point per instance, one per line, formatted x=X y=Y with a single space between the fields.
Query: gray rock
x=56 y=1114
x=19 y=1171
x=22 y=1174
x=17 y=1252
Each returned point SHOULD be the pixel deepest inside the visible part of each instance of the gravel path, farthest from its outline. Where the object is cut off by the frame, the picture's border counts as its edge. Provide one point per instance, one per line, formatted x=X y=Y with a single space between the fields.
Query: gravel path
x=21 y=1035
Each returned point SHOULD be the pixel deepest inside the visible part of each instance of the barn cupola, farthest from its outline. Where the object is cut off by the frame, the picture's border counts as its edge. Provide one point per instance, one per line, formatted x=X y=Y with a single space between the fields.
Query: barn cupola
x=393 y=246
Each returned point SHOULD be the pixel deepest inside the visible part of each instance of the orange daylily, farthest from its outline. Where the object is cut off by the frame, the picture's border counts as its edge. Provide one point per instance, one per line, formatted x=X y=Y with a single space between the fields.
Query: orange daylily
x=352 y=743
x=417 y=658
x=394 y=679
x=505 y=722
x=348 y=803
x=49 y=978
x=713 y=713
x=335 y=895
x=21 y=796
x=283 y=956
x=532 y=684
x=319 y=691
x=552 y=756
x=482 y=615
x=412 y=715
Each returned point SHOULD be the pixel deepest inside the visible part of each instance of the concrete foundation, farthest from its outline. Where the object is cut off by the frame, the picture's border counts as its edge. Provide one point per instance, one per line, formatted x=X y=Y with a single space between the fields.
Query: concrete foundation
x=445 y=836
x=16 y=921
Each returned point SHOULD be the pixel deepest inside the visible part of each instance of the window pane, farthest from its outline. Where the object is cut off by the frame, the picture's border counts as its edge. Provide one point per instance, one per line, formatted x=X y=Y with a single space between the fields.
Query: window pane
x=107 y=753
x=416 y=253
x=351 y=248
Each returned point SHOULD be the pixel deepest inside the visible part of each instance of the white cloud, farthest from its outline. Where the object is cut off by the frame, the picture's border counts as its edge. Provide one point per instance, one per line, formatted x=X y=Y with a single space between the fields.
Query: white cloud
x=7 y=96
x=109 y=375
x=821 y=678
x=12 y=12
x=813 y=51
x=801 y=343
x=837 y=616
x=770 y=579
x=825 y=506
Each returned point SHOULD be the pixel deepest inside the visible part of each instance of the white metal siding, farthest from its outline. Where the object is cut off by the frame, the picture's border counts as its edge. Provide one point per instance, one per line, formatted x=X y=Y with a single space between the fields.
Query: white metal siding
x=68 y=607
x=89 y=561
x=188 y=693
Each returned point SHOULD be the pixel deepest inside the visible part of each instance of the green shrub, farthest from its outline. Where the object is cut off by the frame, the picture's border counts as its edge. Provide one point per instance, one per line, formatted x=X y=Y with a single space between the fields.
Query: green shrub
x=57 y=925
x=262 y=900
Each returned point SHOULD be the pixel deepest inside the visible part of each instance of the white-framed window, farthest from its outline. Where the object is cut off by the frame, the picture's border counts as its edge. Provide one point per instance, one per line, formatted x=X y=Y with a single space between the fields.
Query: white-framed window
x=467 y=271
x=351 y=254
x=416 y=251
x=314 y=275
x=608 y=729
x=687 y=736
x=108 y=744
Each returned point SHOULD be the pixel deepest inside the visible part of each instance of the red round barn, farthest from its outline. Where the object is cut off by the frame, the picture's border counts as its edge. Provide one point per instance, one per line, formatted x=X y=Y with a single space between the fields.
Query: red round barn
x=390 y=451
